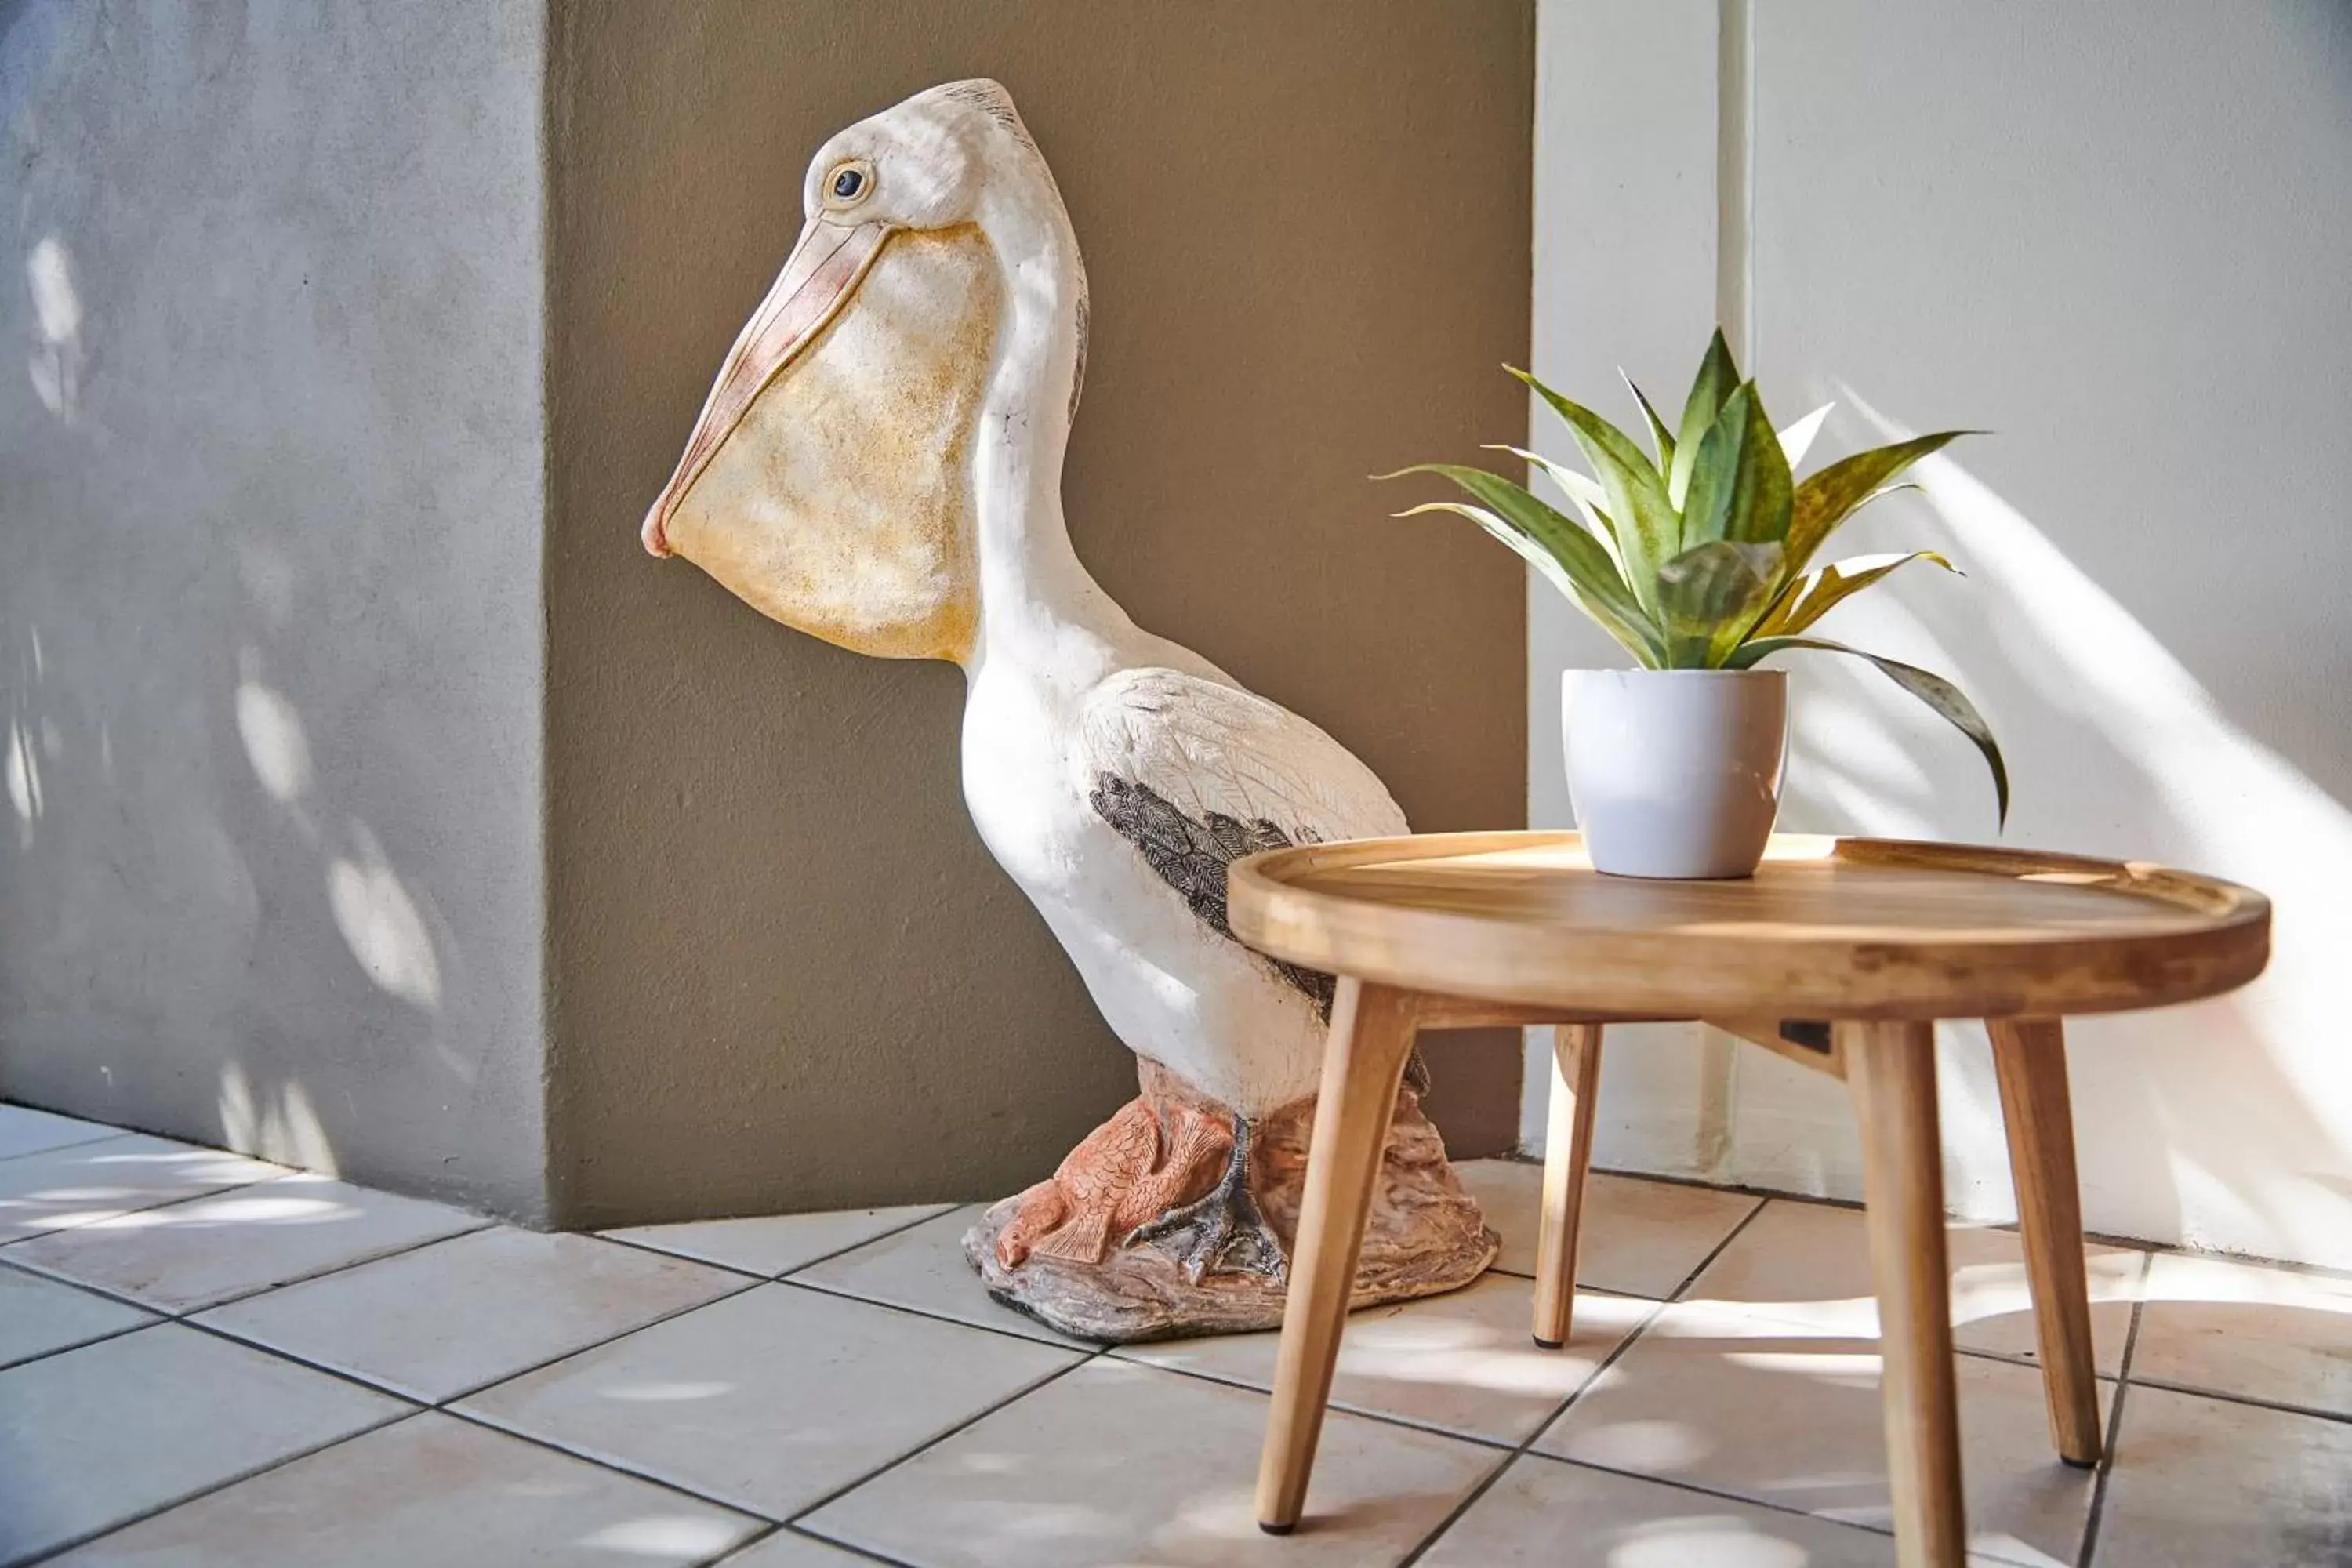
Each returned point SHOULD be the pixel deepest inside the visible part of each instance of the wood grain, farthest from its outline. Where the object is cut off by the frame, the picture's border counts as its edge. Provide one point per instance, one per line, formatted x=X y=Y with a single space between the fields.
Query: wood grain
x=1372 y=1028
x=1890 y=1069
x=2029 y=1058
x=1827 y=928
x=1568 y=1155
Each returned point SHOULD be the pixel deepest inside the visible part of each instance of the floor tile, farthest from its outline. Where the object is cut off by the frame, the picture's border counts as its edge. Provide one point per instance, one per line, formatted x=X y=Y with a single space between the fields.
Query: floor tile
x=97 y=1436
x=1128 y=1464
x=1810 y=1263
x=790 y=1549
x=924 y=1270
x=2204 y=1483
x=446 y=1319
x=2279 y=1334
x=770 y=1245
x=771 y=1399
x=1464 y=1363
x=37 y=1316
x=1546 y=1514
x=1737 y=1402
x=207 y=1250
x=1640 y=1238
x=24 y=1131
x=85 y=1181
x=430 y=1489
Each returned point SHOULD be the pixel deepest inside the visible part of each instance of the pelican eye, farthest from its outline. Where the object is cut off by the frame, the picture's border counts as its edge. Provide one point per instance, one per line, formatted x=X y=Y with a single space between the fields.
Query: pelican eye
x=850 y=184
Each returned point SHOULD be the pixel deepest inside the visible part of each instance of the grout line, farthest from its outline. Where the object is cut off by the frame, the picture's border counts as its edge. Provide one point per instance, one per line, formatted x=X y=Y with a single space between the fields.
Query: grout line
x=143 y=1515
x=865 y=1553
x=2164 y=1386
x=1470 y=1498
x=753 y=1273
x=1023 y=1392
x=1066 y=1342
x=340 y=1375
x=77 y=1345
x=1717 y=1250
x=2098 y=1512
x=740 y=1273
x=1600 y=1371
x=1388 y=1419
x=767 y=1533
x=111 y=1132
x=328 y=1273
x=108 y=1216
x=183 y=1314
x=446 y=1400
x=618 y=1466
x=878 y=1235
x=1682 y=1484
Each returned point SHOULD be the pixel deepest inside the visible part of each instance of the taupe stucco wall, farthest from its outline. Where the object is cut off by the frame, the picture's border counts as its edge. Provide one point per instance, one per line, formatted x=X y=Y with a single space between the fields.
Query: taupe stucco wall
x=271 y=503
x=784 y=972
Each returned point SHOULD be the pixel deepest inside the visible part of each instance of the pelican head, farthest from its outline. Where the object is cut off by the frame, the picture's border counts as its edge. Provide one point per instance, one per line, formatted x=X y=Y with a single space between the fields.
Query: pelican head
x=830 y=481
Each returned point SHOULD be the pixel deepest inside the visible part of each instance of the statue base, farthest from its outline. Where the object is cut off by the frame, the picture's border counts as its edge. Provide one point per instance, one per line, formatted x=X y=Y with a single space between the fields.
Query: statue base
x=1424 y=1234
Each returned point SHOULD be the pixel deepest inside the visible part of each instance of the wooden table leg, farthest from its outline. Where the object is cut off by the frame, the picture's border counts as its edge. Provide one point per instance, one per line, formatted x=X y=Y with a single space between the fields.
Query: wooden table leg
x=2029 y=1055
x=1371 y=1034
x=1890 y=1071
x=1568 y=1155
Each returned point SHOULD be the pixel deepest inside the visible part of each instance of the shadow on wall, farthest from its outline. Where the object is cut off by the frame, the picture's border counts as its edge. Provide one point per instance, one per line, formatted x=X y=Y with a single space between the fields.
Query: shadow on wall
x=2227 y=1119
x=269 y=630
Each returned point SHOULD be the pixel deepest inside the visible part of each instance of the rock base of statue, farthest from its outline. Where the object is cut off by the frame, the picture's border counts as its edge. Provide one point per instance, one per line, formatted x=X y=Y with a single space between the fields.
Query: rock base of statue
x=1424 y=1234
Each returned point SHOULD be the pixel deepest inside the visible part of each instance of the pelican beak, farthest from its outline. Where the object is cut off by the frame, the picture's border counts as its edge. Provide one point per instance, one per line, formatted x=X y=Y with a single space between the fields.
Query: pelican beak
x=823 y=269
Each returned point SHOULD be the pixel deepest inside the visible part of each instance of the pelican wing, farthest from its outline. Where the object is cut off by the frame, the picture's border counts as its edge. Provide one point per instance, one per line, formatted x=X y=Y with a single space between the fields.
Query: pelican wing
x=1196 y=773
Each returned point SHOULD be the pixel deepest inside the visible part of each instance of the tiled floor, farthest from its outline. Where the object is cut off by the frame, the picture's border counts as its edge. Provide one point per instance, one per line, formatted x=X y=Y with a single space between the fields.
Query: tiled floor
x=207 y=1360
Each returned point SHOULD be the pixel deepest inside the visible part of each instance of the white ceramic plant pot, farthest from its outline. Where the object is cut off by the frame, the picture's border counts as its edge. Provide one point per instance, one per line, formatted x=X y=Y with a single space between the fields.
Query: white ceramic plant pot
x=1675 y=772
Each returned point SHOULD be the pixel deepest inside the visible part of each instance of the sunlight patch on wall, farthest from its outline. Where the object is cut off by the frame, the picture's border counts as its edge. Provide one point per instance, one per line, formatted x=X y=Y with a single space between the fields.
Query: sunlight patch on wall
x=380 y=923
x=274 y=741
x=56 y=362
x=287 y=1131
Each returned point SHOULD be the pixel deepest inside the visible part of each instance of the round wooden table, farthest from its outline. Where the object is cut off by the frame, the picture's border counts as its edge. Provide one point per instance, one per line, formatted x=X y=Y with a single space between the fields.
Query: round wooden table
x=1839 y=953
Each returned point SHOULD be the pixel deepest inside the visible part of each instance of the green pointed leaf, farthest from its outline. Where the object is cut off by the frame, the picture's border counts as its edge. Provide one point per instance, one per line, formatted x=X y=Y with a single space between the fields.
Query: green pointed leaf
x=1612 y=613
x=1740 y=487
x=1797 y=439
x=1717 y=379
x=1583 y=489
x=1830 y=497
x=1647 y=529
x=1581 y=557
x=1812 y=596
x=1710 y=595
x=1660 y=437
x=1939 y=694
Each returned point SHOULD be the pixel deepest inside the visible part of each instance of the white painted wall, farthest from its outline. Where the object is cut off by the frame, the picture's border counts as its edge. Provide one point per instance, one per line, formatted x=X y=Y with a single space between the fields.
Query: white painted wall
x=2117 y=235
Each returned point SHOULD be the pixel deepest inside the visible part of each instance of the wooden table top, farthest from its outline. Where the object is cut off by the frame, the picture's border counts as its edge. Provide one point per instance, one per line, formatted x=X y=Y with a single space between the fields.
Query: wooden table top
x=1827 y=928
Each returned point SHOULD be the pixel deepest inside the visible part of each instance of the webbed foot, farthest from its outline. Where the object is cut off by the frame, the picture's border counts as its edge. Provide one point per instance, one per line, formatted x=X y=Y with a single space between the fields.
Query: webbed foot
x=1223 y=1231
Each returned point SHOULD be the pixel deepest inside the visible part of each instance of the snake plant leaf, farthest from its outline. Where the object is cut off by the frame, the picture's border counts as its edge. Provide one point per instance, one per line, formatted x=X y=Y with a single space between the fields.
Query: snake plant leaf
x=1599 y=593
x=1933 y=690
x=1812 y=596
x=1660 y=437
x=1588 y=564
x=1648 y=531
x=1741 y=487
x=1830 y=497
x=1583 y=489
x=1709 y=595
x=1717 y=379
x=1797 y=439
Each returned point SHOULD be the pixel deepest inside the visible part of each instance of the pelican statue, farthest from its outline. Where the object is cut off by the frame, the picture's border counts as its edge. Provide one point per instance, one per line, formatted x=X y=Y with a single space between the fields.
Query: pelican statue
x=880 y=464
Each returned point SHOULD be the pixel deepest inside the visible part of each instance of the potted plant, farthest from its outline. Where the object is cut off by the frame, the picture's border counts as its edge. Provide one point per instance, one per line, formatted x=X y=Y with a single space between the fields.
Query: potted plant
x=1700 y=565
